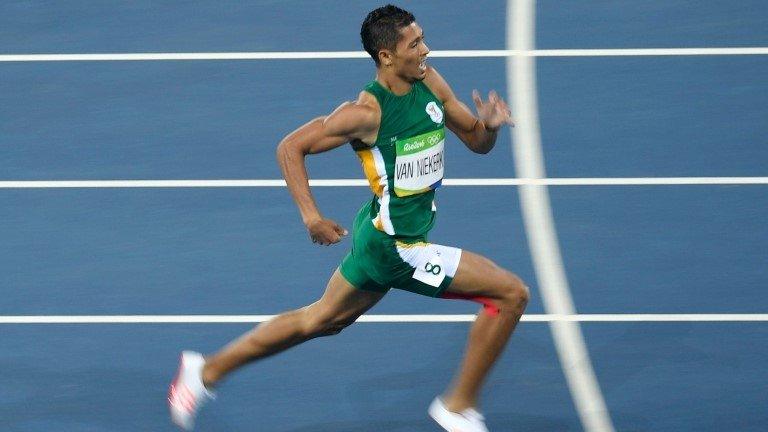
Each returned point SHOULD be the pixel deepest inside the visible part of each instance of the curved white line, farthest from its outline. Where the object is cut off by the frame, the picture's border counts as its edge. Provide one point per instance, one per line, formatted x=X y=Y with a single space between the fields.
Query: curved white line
x=540 y=227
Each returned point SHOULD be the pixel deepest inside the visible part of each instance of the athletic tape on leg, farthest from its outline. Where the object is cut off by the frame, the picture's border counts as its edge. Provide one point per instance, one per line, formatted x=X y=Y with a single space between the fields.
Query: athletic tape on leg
x=488 y=305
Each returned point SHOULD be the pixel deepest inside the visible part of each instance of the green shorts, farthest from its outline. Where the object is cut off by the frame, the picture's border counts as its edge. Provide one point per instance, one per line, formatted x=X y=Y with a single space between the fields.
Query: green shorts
x=378 y=262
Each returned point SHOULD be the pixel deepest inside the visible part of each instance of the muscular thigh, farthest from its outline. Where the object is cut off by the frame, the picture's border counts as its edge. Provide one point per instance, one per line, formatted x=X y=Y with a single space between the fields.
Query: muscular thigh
x=479 y=276
x=344 y=302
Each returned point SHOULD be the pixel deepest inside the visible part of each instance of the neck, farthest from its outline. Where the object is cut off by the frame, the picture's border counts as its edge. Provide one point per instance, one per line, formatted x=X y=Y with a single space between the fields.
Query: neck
x=392 y=82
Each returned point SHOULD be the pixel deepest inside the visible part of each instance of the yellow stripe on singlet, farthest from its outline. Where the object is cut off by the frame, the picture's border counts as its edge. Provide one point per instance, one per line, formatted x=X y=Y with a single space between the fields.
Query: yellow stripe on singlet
x=410 y=245
x=369 y=168
x=377 y=223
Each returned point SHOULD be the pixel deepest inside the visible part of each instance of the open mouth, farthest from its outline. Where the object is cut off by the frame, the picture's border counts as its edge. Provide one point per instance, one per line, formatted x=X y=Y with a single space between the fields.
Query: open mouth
x=423 y=65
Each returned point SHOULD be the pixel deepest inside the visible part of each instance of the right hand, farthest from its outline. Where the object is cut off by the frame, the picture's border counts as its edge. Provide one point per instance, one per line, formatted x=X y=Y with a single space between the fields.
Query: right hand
x=325 y=231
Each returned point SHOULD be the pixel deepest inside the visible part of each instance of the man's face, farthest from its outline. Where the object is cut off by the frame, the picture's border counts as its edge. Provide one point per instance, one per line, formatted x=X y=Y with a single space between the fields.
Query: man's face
x=409 y=59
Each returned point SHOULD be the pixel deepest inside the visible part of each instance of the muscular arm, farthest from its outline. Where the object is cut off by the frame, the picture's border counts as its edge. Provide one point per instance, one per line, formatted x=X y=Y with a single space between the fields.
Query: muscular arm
x=478 y=134
x=349 y=121
x=472 y=132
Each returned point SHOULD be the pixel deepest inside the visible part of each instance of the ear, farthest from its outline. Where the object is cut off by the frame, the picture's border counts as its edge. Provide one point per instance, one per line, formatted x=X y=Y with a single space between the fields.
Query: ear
x=386 y=57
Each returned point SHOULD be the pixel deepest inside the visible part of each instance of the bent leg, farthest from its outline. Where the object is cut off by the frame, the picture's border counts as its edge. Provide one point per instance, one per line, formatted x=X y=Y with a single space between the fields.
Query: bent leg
x=340 y=306
x=504 y=297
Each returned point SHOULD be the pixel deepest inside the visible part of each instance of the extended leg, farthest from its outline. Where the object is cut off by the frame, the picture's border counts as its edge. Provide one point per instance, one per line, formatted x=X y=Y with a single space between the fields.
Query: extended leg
x=339 y=307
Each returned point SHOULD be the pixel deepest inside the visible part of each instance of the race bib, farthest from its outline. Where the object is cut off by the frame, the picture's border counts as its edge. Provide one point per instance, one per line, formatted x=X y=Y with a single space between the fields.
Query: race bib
x=431 y=272
x=419 y=163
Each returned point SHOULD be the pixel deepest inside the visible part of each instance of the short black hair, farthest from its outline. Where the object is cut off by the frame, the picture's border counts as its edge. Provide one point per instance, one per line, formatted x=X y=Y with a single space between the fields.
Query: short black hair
x=381 y=29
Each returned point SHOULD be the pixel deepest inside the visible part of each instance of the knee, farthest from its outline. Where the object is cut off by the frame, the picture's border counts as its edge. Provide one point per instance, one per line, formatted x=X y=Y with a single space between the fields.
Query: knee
x=317 y=323
x=514 y=292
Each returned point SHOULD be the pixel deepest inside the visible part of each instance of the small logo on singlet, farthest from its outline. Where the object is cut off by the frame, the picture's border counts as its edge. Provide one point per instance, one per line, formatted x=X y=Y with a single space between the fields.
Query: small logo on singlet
x=435 y=113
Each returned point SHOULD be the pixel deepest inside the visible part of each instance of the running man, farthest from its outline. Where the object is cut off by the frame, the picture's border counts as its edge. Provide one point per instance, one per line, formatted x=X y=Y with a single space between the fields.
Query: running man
x=397 y=128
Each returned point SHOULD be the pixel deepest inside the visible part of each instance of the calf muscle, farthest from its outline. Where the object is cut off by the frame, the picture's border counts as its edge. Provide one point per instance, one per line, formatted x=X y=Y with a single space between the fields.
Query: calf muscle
x=339 y=307
x=479 y=278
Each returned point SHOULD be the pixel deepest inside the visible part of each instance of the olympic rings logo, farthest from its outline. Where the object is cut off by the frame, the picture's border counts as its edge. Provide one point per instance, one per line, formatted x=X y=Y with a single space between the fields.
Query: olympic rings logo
x=434 y=269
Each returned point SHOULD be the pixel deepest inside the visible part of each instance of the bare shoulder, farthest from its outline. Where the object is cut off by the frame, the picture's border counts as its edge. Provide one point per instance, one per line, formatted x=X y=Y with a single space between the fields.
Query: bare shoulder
x=362 y=111
x=368 y=106
x=438 y=85
x=356 y=120
x=370 y=110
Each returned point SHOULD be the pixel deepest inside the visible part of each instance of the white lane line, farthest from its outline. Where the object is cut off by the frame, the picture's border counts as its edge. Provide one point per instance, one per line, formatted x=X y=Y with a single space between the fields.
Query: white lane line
x=540 y=226
x=318 y=55
x=614 y=181
x=435 y=318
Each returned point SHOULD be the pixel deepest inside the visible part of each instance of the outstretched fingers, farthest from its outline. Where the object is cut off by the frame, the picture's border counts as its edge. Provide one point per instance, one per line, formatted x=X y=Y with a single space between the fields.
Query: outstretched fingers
x=476 y=98
x=493 y=97
x=494 y=111
x=507 y=112
x=501 y=107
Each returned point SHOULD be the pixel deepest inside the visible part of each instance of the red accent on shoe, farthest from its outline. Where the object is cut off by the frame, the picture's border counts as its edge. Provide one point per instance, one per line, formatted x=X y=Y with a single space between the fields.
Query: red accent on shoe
x=171 y=388
x=179 y=395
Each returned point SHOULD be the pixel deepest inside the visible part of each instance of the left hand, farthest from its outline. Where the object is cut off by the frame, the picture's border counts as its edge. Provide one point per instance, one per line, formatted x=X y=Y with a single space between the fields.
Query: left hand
x=493 y=113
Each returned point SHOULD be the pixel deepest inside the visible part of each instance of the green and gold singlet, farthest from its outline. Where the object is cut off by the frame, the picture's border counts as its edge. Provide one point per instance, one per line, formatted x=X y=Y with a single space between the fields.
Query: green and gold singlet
x=403 y=168
x=406 y=163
